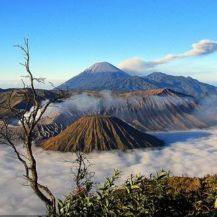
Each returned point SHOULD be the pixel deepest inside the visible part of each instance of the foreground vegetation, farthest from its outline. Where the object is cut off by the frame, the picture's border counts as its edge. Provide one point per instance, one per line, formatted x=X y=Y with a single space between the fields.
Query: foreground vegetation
x=159 y=195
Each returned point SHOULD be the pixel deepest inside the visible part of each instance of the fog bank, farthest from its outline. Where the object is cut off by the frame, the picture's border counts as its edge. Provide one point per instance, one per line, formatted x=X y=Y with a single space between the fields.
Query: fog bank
x=193 y=153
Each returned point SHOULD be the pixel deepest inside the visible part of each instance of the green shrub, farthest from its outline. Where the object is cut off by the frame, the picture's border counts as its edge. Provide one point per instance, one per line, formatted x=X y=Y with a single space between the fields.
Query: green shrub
x=160 y=195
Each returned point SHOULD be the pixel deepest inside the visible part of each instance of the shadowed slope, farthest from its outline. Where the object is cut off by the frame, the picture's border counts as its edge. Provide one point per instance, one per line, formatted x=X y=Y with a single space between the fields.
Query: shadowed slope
x=181 y=84
x=15 y=98
x=100 y=133
x=105 y=76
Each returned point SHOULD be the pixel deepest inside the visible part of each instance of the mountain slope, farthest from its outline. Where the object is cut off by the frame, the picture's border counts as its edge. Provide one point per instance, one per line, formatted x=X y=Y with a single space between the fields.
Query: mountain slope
x=100 y=133
x=104 y=76
x=126 y=84
x=17 y=100
x=182 y=84
x=158 y=109
x=94 y=77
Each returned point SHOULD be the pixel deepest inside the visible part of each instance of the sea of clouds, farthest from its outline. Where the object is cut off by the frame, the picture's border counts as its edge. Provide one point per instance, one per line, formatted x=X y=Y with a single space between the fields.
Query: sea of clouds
x=192 y=153
x=85 y=102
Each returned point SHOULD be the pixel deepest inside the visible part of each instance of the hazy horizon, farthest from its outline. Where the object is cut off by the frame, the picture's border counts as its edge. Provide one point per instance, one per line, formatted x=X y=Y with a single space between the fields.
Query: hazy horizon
x=5 y=84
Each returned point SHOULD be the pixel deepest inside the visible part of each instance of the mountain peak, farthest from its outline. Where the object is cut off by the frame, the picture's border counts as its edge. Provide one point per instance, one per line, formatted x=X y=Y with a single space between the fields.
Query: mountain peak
x=96 y=76
x=100 y=133
x=156 y=74
x=104 y=67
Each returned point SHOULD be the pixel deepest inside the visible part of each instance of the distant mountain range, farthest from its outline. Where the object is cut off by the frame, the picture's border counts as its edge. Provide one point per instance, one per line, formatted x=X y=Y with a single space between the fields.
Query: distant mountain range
x=181 y=84
x=105 y=76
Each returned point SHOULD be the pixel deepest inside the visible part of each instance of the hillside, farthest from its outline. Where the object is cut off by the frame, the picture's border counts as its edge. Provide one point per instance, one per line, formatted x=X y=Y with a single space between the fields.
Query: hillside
x=159 y=109
x=17 y=100
x=100 y=133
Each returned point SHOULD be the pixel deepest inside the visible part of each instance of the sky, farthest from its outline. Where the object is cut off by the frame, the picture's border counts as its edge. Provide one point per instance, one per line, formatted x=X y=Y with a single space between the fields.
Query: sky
x=67 y=36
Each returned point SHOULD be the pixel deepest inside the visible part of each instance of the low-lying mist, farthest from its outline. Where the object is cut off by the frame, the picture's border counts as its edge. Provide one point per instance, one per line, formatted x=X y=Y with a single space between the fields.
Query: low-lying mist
x=86 y=102
x=183 y=112
x=192 y=153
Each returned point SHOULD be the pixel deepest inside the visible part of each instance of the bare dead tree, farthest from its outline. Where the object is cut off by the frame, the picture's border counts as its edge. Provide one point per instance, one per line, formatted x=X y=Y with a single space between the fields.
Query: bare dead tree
x=28 y=120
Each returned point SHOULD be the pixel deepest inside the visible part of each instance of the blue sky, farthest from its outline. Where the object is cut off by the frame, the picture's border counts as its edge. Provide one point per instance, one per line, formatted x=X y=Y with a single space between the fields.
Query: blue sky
x=66 y=36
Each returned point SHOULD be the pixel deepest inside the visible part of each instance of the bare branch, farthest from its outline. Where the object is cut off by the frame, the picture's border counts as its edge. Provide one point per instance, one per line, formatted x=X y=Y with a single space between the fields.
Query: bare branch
x=28 y=117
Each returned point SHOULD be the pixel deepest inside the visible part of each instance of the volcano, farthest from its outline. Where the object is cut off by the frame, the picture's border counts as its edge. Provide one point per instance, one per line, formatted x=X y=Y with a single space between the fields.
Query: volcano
x=95 y=76
x=105 y=76
x=100 y=133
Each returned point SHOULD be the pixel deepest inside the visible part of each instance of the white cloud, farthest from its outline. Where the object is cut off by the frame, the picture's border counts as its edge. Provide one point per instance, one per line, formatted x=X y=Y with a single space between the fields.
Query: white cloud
x=193 y=153
x=136 y=64
x=203 y=47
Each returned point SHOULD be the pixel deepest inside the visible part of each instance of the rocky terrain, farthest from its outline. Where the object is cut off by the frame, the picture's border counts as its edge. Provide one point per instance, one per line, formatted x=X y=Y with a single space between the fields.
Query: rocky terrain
x=16 y=99
x=100 y=133
x=154 y=110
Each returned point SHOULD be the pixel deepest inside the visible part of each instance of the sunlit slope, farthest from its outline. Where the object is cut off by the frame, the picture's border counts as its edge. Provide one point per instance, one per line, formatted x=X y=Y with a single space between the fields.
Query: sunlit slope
x=100 y=133
x=158 y=109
